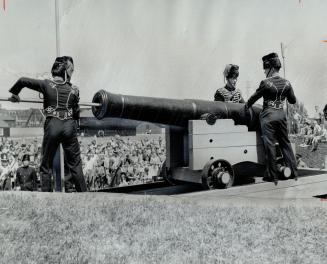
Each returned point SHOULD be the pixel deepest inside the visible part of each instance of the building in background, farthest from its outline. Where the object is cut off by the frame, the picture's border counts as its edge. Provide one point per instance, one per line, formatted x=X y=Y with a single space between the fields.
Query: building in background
x=22 y=118
x=108 y=126
x=4 y=128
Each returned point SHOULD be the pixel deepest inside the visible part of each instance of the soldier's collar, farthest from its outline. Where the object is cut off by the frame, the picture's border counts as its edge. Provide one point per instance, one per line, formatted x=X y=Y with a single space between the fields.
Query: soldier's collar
x=58 y=80
x=231 y=89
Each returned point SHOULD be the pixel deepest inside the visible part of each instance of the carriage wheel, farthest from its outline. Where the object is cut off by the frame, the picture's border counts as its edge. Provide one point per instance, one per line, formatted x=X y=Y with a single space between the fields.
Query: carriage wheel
x=217 y=174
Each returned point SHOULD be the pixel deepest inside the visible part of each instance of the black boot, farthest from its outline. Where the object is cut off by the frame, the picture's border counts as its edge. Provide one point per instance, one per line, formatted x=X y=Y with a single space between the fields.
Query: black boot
x=266 y=177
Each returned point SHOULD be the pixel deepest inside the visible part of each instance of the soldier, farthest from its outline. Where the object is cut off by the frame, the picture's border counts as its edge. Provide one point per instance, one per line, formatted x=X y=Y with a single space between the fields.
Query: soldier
x=26 y=179
x=274 y=90
x=6 y=172
x=62 y=112
x=229 y=93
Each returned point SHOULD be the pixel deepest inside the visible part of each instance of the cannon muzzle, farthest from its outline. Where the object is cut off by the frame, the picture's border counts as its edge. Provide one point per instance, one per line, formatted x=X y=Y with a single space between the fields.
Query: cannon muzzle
x=171 y=111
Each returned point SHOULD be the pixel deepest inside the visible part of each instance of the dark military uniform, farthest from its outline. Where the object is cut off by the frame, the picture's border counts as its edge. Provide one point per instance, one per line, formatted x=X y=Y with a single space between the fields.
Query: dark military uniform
x=5 y=173
x=229 y=93
x=226 y=94
x=274 y=91
x=26 y=178
x=60 y=107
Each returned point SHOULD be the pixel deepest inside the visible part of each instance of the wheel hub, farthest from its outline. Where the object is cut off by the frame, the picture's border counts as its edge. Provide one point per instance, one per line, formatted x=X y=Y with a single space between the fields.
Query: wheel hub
x=224 y=177
x=221 y=176
x=217 y=174
x=287 y=172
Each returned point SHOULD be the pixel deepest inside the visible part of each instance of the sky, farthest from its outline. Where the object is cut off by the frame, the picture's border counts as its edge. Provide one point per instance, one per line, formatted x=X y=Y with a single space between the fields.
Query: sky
x=166 y=48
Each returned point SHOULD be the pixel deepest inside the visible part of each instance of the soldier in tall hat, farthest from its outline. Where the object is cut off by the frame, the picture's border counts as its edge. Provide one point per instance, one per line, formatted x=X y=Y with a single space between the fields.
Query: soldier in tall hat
x=274 y=90
x=62 y=111
x=26 y=179
x=229 y=93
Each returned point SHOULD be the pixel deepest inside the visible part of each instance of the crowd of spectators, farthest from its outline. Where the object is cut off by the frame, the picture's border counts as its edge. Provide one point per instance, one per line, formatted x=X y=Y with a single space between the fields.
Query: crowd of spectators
x=107 y=161
x=121 y=161
x=313 y=133
x=11 y=153
x=310 y=131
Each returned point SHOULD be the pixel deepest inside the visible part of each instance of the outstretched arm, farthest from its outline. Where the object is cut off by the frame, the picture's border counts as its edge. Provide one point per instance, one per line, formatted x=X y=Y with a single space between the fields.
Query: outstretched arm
x=256 y=96
x=34 y=84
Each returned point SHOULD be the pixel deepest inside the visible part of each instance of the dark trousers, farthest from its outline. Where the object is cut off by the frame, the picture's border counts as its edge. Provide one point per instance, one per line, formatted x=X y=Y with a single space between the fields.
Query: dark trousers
x=274 y=130
x=58 y=131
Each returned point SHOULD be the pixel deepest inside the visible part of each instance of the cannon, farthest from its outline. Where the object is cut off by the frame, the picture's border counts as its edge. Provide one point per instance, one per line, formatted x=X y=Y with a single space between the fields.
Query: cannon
x=207 y=142
x=171 y=111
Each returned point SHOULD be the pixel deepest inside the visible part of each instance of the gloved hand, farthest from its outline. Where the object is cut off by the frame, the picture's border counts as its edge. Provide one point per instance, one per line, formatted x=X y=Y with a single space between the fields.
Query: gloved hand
x=246 y=109
x=14 y=98
x=247 y=113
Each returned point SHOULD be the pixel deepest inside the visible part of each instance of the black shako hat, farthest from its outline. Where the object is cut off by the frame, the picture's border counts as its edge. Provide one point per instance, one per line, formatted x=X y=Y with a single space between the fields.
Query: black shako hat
x=271 y=61
x=64 y=59
x=26 y=157
x=231 y=71
x=60 y=66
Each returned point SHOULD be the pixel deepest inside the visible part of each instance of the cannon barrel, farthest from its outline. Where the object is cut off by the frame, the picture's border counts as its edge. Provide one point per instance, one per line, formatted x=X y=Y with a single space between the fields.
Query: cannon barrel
x=170 y=111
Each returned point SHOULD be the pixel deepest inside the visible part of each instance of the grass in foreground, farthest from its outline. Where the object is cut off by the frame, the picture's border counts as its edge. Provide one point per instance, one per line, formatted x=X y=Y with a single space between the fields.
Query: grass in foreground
x=97 y=228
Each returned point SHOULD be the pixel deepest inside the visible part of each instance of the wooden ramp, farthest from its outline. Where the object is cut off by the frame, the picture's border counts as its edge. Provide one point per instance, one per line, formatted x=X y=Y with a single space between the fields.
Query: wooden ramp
x=304 y=190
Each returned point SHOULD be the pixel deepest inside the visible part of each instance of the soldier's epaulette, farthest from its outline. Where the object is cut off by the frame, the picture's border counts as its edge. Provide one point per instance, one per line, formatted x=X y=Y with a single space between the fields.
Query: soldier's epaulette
x=268 y=82
x=51 y=82
x=222 y=90
x=75 y=89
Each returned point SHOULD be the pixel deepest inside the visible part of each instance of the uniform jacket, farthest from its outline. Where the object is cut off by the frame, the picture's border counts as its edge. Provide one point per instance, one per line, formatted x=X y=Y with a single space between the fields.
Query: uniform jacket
x=273 y=89
x=226 y=95
x=26 y=178
x=57 y=97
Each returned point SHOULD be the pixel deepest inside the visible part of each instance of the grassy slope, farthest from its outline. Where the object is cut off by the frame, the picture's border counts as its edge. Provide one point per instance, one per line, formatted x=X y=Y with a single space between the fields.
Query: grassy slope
x=99 y=228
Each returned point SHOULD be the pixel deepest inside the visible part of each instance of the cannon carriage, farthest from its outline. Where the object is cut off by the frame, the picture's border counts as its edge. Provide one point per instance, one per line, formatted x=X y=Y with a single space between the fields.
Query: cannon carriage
x=209 y=143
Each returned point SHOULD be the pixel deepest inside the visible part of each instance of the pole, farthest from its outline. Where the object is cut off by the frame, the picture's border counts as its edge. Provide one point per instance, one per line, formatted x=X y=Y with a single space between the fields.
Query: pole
x=283 y=56
x=59 y=179
x=34 y=101
x=282 y=47
x=57 y=28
